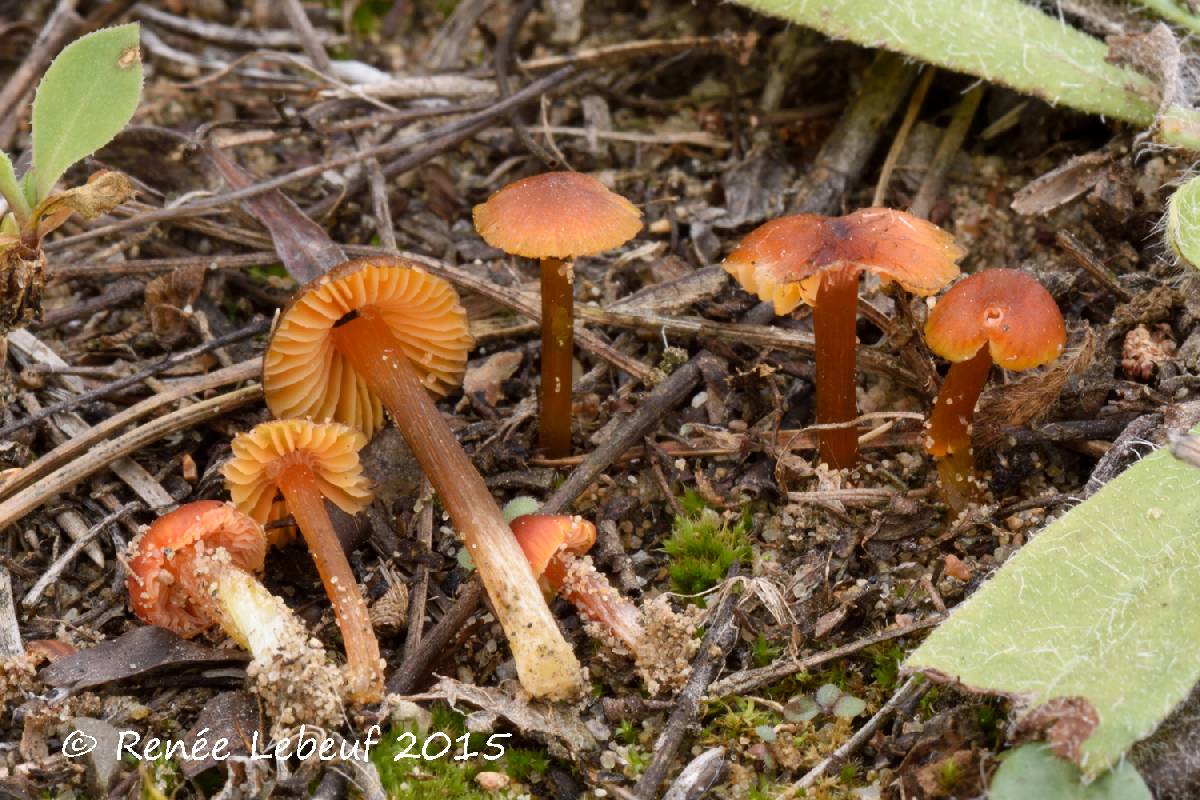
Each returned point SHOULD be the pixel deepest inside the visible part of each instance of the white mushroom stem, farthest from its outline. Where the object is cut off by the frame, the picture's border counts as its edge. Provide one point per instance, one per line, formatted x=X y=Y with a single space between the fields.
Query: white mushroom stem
x=546 y=665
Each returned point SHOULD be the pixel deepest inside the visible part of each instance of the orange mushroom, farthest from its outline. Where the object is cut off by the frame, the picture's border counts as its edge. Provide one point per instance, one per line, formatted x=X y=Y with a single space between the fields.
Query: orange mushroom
x=556 y=217
x=309 y=462
x=193 y=568
x=553 y=545
x=817 y=260
x=381 y=333
x=1000 y=316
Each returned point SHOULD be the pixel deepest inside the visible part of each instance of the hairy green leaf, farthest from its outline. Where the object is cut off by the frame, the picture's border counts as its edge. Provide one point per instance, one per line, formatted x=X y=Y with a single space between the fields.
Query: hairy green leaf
x=1034 y=771
x=1004 y=41
x=85 y=98
x=1099 y=613
x=1183 y=223
x=10 y=188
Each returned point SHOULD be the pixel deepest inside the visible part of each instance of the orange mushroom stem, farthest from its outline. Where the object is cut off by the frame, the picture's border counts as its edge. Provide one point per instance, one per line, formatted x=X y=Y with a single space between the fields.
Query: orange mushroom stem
x=1000 y=316
x=306 y=462
x=554 y=546
x=382 y=334
x=817 y=260
x=556 y=217
x=194 y=568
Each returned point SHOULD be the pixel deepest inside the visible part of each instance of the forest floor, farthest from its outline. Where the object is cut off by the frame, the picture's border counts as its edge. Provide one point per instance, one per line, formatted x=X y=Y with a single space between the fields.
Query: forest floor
x=811 y=583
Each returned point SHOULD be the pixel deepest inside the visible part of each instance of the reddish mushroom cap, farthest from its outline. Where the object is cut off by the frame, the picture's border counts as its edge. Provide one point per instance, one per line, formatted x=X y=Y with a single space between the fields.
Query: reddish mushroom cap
x=1005 y=309
x=557 y=215
x=304 y=375
x=155 y=589
x=782 y=261
x=542 y=535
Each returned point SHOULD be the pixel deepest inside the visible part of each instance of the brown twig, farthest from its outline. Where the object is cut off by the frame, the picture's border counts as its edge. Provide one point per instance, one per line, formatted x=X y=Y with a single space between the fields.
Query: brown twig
x=502 y=56
x=720 y=636
x=1092 y=265
x=952 y=140
x=420 y=589
x=67 y=556
x=167 y=363
x=750 y=679
x=112 y=297
x=101 y=456
x=434 y=143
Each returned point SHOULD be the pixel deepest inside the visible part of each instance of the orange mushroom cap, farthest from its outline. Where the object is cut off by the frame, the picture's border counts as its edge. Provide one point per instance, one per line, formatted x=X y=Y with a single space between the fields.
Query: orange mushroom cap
x=557 y=215
x=542 y=535
x=329 y=449
x=157 y=590
x=1005 y=309
x=782 y=261
x=305 y=376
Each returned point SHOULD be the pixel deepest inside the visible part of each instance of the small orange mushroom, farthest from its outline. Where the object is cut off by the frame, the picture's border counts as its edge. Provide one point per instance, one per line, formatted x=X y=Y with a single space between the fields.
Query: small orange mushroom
x=556 y=217
x=553 y=544
x=309 y=462
x=1000 y=316
x=817 y=260
x=194 y=568
x=382 y=333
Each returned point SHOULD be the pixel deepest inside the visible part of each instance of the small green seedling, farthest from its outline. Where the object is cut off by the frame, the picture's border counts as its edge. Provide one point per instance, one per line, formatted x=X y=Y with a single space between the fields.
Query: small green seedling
x=829 y=699
x=1033 y=770
x=85 y=98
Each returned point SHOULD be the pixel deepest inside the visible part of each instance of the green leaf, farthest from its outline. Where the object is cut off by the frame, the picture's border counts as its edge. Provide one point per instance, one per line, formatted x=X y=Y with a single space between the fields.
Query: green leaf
x=85 y=98
x=1099 y=610
x=1034 y=771
x=1009 y=42
x=801 y=709
x=11 y=189
x=1183 y=223
x=827 y=695
x=848 y=706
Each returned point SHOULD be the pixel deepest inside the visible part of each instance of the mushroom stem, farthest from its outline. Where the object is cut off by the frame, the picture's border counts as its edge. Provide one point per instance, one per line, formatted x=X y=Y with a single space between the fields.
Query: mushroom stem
x=575 y=580
x=834 y=316
x=303 y=494
x=558 y=349
x=545 y=663
x=950 y=427
x=253 y=617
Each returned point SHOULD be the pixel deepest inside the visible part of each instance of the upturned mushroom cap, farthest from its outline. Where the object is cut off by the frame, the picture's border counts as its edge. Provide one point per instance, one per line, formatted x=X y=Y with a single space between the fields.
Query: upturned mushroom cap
x=542 y=535
x=557 y=215
x=782 y=260
x=329 y=449
x=305 y=376
x=1005 y=309
x=155 y=591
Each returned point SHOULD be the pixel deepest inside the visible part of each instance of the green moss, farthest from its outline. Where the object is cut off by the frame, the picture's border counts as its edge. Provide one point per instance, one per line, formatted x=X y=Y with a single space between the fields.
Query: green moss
x=763 y=652
x=702 y=546
x=407 y=778
x=886 y=659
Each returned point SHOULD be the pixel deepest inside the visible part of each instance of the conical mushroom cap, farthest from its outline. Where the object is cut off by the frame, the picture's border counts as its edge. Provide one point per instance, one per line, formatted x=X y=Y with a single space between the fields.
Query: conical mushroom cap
x=329 y=449
x=304 y=376
x=557 y=215
x=155 y=592
x=1005 y=309
x=782 y=260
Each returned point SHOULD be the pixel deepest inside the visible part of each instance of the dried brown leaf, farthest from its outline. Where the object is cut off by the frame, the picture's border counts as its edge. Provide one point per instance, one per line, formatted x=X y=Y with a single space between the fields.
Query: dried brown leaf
x=168 y=300
x=486 y=378
x=103 y=192
x=1028 y=399
x=557 y=725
